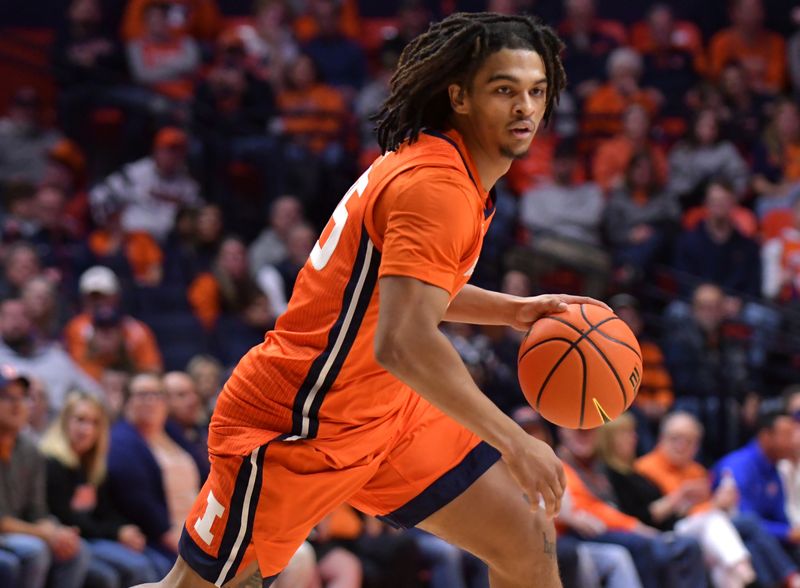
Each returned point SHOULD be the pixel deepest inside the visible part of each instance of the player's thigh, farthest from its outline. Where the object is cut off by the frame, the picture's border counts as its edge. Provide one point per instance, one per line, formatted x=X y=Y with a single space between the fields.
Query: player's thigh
x=492 y=520
x=263 y=506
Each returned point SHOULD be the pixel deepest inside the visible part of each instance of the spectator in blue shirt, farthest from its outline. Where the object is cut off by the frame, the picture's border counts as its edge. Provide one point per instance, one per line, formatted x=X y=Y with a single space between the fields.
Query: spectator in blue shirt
x=753 y=467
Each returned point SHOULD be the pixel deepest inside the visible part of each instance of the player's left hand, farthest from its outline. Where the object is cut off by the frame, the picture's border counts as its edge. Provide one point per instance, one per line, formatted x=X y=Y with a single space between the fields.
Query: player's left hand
x=530 y=310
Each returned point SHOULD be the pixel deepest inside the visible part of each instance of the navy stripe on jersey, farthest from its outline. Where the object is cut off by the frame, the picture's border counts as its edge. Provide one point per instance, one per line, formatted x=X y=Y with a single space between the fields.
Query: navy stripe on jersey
x=326 y=367
x=238 y=530
x=444 y=490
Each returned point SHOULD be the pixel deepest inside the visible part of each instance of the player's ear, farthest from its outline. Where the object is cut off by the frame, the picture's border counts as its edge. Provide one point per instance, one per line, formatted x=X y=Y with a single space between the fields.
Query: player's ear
x=458 y=98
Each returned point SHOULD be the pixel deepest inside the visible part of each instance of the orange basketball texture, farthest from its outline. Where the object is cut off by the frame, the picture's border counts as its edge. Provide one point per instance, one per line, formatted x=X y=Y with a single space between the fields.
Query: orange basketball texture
x=580 y=368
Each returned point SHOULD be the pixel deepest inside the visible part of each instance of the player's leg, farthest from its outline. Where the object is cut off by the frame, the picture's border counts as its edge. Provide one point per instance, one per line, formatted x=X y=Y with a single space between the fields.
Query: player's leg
x=441 y=478
x=492 y=520
x=263 y=505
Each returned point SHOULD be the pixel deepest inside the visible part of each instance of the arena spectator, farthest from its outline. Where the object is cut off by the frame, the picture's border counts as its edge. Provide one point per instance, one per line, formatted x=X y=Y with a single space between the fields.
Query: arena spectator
x=672 y=496
x=162 y=59
x=28 y=533
x=673 y=58
x=76 y=448
x=40 y=296
x=704 y=156
x=716 y=251
x=206 y=371
x=88 y=62
x=232 y=110
x=188 y=415
x=564 y=220
x=760 y=51
x=228 y=290
x=102 y=337
x=47 y=362
x=710 y=369
x=24 y=138
x=613 y=156
x=671 y=467
x=589 y=41
x=742 y=110
x=198 y=18
x=145 y=455
x=639 y=219
x=657 y=557
x=149 y=192
x=269 y=41
x=22 y=264
x=754 y=469
x=340 y=60
x=776 y=159
x=655 y=395
x=603 y=109
x=270 y=246
x=312 y=119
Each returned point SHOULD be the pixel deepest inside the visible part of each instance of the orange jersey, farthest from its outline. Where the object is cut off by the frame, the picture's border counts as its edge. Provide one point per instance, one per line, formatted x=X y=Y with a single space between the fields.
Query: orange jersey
x=419 y=212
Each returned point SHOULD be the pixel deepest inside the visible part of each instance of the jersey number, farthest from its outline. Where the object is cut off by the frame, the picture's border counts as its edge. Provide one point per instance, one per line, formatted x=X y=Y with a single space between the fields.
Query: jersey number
x=203 y=525
x=321 y=254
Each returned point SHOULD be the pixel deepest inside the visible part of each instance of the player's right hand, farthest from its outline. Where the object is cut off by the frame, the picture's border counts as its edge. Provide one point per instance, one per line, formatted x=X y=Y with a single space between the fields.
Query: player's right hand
x=538 y=471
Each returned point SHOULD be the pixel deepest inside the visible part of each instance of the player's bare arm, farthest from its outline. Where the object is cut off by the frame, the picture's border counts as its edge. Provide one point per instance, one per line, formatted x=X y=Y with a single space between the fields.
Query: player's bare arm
x=409 y=344
x=477 y=306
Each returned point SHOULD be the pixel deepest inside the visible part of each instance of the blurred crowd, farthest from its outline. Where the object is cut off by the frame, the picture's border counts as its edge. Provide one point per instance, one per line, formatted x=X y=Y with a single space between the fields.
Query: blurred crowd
x=166 y=170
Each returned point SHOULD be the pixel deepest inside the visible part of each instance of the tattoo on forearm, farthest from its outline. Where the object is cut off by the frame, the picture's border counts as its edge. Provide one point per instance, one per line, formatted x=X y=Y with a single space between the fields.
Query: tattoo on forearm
x=549 y=547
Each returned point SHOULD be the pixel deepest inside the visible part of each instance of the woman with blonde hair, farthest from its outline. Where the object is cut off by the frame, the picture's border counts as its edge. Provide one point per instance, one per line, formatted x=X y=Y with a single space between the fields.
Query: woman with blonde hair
x=76 y=448
x=688 y=510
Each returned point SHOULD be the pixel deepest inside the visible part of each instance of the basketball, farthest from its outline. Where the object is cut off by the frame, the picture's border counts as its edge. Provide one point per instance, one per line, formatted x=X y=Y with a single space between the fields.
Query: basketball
x=580 y=368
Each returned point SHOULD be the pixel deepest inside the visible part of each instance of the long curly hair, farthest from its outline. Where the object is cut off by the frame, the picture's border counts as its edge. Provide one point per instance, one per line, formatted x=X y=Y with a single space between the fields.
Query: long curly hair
x=451 y=51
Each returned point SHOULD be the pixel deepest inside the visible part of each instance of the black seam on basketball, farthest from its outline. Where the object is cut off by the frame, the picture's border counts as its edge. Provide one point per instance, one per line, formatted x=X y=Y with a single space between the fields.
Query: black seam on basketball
x=583 y=387
x=613 y=371
x=585 y=335
x=532 y=347
x=609 y=337
x=572 y=345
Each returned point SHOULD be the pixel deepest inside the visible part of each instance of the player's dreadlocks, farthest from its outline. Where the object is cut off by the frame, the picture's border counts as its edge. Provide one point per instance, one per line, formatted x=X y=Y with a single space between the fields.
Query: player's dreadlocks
x=451 y=51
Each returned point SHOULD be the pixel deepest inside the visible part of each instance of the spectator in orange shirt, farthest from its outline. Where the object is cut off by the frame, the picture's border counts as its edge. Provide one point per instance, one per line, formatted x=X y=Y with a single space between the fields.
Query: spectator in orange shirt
x=101 y=337
x=613 y=155
x=602 y=113
x=229 y=288
x=685 y=484
x=198 y=18
x=161 y=59
x=760 y=51
x=660 y=29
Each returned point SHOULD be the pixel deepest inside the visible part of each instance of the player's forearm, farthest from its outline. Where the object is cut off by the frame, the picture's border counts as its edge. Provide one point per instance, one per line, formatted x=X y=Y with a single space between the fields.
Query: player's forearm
x=426 y=361
x=477 y=306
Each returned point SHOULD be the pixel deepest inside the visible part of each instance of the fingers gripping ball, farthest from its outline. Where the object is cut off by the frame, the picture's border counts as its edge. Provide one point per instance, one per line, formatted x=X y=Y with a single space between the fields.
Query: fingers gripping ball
x=580 y=368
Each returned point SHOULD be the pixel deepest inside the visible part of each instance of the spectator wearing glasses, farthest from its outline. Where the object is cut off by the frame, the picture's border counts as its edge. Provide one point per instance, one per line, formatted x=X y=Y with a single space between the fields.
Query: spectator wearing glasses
x=156 y=461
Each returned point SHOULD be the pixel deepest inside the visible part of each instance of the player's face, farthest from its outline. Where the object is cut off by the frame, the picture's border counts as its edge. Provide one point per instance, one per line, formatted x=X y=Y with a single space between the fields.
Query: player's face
x=506 y=101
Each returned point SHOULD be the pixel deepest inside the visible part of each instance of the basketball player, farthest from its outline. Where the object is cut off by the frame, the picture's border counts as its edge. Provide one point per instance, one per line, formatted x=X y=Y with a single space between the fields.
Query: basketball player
x=356 y=396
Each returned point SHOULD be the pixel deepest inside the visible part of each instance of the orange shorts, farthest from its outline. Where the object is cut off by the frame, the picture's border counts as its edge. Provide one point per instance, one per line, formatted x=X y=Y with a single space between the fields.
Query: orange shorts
x=265 y=504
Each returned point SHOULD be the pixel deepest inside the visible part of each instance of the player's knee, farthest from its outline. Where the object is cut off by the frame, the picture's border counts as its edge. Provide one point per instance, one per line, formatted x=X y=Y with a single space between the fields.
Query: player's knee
x=528 y=553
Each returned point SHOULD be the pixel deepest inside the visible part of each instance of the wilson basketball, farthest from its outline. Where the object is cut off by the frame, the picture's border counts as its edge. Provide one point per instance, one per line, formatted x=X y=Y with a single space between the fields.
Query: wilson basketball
x=580 y=368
